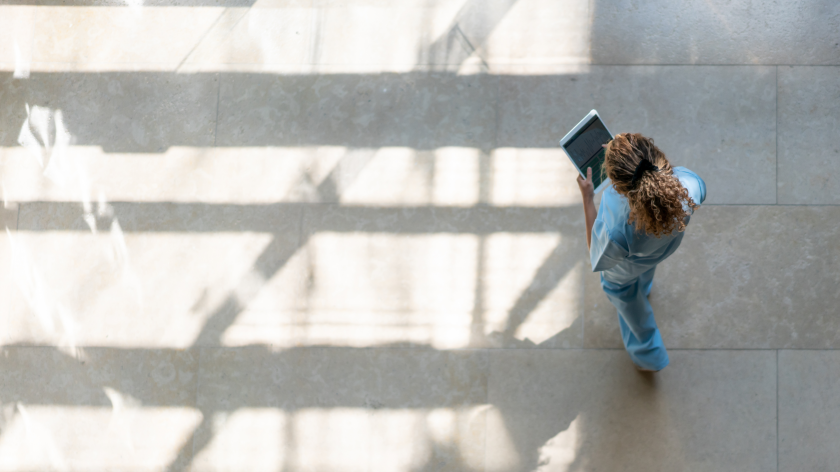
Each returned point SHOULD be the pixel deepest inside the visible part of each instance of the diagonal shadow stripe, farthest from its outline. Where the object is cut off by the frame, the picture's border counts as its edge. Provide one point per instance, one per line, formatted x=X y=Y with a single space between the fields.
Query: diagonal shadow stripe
x=469 y=30
x=177 y=217
x=273 y=258
x=557 y=265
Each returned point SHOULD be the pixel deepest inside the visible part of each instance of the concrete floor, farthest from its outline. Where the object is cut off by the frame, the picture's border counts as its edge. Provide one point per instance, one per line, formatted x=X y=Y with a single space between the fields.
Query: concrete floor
x=314 y=235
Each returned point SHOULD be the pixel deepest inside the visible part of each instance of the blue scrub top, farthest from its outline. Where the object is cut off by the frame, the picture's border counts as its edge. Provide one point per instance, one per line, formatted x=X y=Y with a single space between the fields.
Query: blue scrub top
x=621 y=253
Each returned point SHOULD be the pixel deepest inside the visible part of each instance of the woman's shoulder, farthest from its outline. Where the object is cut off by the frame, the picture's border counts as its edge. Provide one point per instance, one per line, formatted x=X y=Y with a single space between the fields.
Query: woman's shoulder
x=614 y=210
x=695 y=185
x=616 y=202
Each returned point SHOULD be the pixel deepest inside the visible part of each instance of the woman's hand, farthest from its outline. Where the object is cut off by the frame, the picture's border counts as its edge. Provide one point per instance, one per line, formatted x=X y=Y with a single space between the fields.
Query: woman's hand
x=587 y=189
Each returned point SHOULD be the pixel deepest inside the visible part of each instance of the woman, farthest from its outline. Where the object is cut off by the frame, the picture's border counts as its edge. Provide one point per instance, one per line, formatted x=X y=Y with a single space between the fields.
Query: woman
x=641 y=222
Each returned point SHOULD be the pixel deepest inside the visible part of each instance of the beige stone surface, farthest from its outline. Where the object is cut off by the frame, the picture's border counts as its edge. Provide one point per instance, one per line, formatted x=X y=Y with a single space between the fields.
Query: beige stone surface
x=808 y=406
x=390 y=36
x=103 y=35
x=354 y=409
x=590 y=410
x=234 y=175
x=745 y=277
x=450 y=277
x=689 y=112
x=701 y=32
x=809 y=159
x=257 y=35
x=339 y=235
x=530 y=32
x=162 y=275
x=381 y=36
x=422 y=110
x=118 y=111
x=450 y=35
x=16 y=31
x=390 y=176
x=95 y=409
x=532 y=177
x=9 y=216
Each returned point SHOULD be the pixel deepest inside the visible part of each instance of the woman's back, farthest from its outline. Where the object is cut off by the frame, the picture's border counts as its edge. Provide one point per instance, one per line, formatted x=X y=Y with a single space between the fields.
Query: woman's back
x=622 y=251
x=641 y=221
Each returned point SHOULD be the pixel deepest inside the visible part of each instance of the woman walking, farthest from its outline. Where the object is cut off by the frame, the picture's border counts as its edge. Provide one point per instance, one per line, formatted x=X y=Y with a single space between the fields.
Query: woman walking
x=641 y=221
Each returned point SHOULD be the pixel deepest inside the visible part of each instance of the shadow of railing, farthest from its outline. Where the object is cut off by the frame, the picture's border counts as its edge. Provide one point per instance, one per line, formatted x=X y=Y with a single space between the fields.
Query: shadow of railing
x=406 y=110
x=300 y=221
x=148 y=112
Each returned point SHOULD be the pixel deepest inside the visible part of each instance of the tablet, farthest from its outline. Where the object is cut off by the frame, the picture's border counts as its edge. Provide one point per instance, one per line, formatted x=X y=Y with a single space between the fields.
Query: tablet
x=583 y=146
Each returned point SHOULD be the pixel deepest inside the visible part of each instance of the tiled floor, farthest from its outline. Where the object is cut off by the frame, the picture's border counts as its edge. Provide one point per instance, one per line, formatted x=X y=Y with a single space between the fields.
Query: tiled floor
x=312 y=235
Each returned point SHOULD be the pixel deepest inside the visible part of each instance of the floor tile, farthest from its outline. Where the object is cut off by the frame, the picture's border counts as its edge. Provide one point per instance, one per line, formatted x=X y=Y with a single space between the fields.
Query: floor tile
x=16 y=30
x=688 y=111
x=532 y=177
x=453 y=277
x=697 y=32
x=9 y=215
x=355 y=409
x=324 y=235
x=591 y=410
x=390 y=36
x=809 y=160
x=109 y=34
x=164 y=275
x=744 y=277
x=452 y=176
x=7 y=279
x=119 y=111
x=398 y=37
x=96 y=409
x=808 y=410
x=423 y=110
x=185 y=174
x=505 y=34
x=257 y=35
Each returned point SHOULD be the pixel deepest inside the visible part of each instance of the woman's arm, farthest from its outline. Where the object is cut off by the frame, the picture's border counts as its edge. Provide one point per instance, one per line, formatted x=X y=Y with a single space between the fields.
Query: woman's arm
x=587 y=192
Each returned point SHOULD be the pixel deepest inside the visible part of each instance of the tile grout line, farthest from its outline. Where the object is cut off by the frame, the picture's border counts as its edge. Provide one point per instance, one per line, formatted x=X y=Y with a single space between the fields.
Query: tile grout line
x=201 y=40
x=777 y=410
x=487 y=361
x=197 y=382
x=425 y=67
x=777 y=135
x=218 y=99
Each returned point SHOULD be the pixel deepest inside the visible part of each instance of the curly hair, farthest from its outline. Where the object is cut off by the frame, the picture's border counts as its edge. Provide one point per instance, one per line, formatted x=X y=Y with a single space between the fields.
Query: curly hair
x=659 y=204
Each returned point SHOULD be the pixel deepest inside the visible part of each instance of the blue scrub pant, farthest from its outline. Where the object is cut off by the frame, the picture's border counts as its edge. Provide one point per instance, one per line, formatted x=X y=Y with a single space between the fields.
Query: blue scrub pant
x=635 y=318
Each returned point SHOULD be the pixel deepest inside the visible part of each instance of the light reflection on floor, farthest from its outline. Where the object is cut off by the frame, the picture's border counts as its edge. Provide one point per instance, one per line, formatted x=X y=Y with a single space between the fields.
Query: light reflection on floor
x=315 y=235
